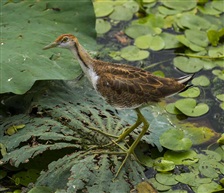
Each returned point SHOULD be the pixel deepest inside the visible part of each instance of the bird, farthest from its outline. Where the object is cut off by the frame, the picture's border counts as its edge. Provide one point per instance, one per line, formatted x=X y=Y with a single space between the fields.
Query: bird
x=123 y=86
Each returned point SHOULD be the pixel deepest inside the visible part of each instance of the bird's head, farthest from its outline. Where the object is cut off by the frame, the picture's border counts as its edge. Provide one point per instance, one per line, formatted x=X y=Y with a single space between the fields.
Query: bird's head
x=63 y=41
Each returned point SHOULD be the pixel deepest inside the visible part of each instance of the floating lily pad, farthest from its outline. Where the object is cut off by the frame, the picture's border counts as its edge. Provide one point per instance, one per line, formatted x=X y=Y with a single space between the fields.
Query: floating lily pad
x=135 y=31
x=219 y=73
x=207 y=170
x=193 y=22
x=197 y=37
x=222 y=105
x=158 y=186
x=188 y=65
x=151 y=20
x=190 y=107
x=102 y=8
x=209 y=64
x=132 y=53
x=175 y=140
x=170 y=41
x=166 y=179
x=209 y=187
x=192 y=179
x=216 y=51
x=170 y=108
x=191 y=92
x=220 y=97
x=163 y=165
x=148 y=41
x=121 y=13
x=211 y=155
x=198 y=135
x=182 y=39
x=185 y=158
x=102 y=26
x=166 y=11
x=208 y=9
x=201 y=81
x=132 y=5
x=180 y=5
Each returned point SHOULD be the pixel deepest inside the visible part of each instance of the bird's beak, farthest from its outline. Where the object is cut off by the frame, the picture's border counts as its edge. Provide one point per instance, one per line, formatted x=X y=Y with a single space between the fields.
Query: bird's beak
x=52 y=45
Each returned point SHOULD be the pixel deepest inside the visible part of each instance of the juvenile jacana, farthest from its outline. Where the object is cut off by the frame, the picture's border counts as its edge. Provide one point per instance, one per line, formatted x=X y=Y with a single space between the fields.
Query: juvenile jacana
x=122 y=86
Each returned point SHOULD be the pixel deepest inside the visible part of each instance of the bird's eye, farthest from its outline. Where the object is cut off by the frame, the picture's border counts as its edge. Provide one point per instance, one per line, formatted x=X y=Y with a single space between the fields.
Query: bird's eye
x=65 y=39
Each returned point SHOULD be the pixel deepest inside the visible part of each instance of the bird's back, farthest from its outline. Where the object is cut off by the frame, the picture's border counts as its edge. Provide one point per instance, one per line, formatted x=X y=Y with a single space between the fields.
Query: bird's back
x=125 y=86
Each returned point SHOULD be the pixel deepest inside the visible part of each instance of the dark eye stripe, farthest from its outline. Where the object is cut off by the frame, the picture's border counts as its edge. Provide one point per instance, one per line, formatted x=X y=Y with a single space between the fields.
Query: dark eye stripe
x=65 y=39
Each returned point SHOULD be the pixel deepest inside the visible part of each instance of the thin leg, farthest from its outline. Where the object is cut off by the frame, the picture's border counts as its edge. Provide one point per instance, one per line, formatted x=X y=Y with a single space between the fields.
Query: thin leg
x=141 y=119
x=125 y=133
x=129 y=130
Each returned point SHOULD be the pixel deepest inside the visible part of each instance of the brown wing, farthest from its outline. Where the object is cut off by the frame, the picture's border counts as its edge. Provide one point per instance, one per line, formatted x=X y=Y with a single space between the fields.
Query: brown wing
x=135 y=86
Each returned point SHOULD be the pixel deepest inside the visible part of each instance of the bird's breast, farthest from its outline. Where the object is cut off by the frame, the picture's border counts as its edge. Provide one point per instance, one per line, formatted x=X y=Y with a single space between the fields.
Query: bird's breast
x=93 y=77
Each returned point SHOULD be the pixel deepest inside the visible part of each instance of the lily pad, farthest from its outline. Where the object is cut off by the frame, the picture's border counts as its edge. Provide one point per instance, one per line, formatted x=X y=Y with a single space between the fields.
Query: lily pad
x=148 y=41
x=190 y=107
x=208 y=9
x=166 y=179
x=170 y=108
x=182 y=39
x=198 y=135
x=201 y=81
x=220 y=97
x=135 y=31
x=158 y=186
x=216 y=51
x=222 y=105
x=166 y=11
x=170 y=41
x=191 y=92
x=210 y=187
x=103 y=8
x=191 y=21
x=186 y=158
x=188 y=65
x=175 y=140
x=121 y=13
x=132 y=53
x=180 y=5
x=151 y=20
x=192 y=179
x=219 y=73
x=102 y=26
x=197 y=37
x=163 y=165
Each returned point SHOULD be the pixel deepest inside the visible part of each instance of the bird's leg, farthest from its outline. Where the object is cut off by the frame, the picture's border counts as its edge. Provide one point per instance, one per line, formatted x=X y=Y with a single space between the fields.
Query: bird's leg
x=141 y=119
x=130 y=129
x=126 y=132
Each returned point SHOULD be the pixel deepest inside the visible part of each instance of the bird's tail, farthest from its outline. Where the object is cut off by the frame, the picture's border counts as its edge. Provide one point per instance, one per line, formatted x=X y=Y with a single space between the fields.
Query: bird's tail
x=185 y=79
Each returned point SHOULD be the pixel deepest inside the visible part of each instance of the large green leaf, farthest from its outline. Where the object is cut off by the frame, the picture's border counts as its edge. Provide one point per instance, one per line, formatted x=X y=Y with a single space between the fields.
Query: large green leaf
x=59 y=119
x=27 y=26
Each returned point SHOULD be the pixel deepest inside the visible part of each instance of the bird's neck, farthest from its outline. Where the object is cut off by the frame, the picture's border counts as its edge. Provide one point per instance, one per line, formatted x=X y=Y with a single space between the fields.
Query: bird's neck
x=85 y=60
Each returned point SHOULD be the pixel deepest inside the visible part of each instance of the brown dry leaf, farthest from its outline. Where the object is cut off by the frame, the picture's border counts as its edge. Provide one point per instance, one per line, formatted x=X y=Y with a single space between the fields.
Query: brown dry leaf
x=144 y=187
